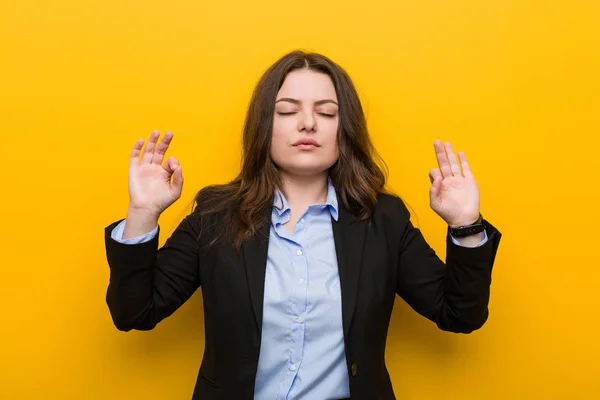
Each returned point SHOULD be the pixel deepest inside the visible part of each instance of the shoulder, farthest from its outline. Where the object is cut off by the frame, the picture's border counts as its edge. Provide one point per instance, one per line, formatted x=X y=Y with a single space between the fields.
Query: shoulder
x=216 y=201
x=205 y=211
x=392 y=207
x=214 y=194
x=390 y=220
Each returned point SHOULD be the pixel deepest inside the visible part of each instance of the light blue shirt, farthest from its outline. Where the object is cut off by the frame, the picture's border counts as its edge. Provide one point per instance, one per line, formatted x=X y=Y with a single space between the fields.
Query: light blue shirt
x=302 y=354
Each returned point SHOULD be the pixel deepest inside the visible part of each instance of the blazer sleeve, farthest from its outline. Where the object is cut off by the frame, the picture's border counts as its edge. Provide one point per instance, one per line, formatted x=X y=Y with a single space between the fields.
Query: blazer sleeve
x=147 y=284
x=454 y=294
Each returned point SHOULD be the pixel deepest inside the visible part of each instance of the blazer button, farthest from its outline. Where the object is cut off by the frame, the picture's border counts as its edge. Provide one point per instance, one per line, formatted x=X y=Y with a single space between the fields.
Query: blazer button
x=353 y=369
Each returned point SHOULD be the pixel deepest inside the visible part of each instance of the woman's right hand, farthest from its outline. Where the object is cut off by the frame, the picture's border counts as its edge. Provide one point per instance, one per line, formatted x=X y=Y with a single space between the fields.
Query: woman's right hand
x=151 y=189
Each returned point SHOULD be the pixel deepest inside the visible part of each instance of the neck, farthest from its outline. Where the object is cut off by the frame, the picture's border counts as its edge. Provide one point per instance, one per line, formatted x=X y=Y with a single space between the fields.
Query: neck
x=302 y=191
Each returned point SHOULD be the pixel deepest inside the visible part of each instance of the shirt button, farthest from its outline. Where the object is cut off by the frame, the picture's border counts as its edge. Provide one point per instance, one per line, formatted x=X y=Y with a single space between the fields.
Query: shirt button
x=301 y=280
x=299 y=252
x=302 y=221
x=299 y=319
x=293 y=367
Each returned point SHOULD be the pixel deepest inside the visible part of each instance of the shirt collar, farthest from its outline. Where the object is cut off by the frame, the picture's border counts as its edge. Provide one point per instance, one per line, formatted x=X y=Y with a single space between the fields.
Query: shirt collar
x=281 y=206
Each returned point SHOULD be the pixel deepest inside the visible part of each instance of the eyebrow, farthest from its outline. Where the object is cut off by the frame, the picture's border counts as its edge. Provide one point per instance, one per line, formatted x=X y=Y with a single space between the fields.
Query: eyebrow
x=317 y=103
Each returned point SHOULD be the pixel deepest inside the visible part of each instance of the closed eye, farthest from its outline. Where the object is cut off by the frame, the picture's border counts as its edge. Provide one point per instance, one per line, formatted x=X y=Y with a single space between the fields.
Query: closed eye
x=323 y=114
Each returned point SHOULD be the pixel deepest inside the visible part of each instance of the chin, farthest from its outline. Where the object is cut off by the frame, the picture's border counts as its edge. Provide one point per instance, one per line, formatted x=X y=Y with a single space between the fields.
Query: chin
x=304 y=169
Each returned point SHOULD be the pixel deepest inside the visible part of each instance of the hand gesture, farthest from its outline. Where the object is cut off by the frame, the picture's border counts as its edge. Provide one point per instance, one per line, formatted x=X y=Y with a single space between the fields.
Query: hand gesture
x=454 y=194
x=151 y=188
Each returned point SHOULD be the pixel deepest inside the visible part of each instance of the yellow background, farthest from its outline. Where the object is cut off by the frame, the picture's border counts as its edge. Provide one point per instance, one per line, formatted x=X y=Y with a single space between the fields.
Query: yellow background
x=513 y=83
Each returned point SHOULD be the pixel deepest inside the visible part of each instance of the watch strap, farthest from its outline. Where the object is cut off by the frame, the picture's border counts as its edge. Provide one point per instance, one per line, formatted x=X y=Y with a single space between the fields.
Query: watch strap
x=468 y=230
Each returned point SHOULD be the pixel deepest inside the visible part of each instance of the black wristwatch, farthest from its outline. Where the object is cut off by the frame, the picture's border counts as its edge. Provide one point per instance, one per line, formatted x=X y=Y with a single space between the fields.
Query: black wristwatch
x=468 y=230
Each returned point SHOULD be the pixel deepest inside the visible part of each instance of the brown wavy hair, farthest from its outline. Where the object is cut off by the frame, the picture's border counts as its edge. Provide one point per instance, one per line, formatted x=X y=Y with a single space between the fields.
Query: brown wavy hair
x=244 y=204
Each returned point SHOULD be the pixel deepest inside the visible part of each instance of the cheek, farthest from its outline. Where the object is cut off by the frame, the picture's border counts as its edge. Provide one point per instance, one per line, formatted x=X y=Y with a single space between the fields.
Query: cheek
x=331 y=136
x=283 y=129
x=279 y=140
x=279 y=130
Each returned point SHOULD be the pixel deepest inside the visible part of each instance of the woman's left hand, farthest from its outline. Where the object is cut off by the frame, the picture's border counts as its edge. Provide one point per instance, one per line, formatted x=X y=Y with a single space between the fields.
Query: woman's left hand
x=453 y=195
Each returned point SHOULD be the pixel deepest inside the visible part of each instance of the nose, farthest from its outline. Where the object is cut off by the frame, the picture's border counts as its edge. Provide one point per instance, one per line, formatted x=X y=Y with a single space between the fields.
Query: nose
x=307 y=123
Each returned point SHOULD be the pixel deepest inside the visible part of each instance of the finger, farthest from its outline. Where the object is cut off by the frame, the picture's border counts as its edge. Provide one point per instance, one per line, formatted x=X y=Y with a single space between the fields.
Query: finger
x=170 y=165
x=149 y=150
x=436 y=187
x=177 y=183
x=135 y=152
x=161 y=148
x=442 y=159
x=454 y=166
x=466 y=168
x=434 y=173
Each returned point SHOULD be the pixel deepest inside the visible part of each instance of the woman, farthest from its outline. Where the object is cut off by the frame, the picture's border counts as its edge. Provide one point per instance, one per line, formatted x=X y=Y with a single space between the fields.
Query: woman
x=301 y=256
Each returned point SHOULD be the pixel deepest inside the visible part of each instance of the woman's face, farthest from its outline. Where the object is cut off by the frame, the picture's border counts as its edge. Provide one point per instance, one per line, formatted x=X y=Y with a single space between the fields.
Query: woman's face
x=305 y=124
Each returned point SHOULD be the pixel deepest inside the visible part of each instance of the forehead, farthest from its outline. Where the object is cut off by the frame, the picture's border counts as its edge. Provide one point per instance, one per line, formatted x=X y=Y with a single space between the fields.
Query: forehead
x=306 y=85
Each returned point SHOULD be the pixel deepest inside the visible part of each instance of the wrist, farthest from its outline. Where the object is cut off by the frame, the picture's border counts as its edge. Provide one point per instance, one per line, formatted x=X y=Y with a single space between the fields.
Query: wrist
x=474 y=220
x=142 y=213
x=139 y=222
x=467 y=230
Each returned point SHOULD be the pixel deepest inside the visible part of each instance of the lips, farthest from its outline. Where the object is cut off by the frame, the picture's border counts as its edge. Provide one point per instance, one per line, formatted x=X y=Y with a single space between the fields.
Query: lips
x=306 y=142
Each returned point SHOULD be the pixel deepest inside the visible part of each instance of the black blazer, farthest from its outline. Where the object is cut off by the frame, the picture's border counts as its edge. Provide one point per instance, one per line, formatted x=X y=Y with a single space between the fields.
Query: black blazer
x=376 y=260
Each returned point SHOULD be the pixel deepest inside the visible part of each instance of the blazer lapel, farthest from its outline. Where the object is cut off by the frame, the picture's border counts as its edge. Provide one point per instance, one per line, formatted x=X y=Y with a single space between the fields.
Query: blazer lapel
x=255 y=260
x=349 y=235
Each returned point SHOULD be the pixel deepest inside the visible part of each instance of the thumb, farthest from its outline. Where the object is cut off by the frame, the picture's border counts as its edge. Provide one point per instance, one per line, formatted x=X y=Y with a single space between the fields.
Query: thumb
x=177 y=183
x=435 y=177
x=436 y=186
